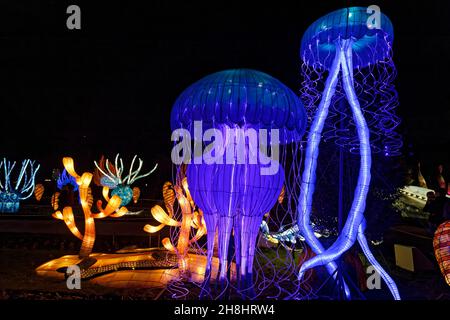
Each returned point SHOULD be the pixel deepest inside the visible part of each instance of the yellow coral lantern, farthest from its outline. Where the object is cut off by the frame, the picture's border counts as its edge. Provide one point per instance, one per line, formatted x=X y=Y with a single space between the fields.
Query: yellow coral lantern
x=39 y=191
x=191 y=218
x=112 y=208
x=136 y=194
x=90 y=198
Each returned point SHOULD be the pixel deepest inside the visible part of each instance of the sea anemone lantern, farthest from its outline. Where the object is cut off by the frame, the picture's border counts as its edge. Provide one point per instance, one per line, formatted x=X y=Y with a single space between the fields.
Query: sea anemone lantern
x=348 y=72
x=113 y=176
x=23 y=187
x=240 y=122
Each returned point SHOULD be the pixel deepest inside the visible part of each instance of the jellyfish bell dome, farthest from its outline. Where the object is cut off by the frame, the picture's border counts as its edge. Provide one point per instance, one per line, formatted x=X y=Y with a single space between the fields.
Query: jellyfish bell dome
x=369 y=45
x=242 y=98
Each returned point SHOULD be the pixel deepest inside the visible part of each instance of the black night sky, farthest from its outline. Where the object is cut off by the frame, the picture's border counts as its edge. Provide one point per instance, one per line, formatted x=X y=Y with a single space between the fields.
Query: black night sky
x=110 y=86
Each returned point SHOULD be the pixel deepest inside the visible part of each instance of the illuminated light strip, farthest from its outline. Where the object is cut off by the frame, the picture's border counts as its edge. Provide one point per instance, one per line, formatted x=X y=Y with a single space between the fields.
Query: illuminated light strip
x=161 y=216
x=152 y=229
x=70 y=168
x=105 y=193
x=168 y=245
x=365 y=248
x=200 y=233
x=58 y=215
x=348 y=235
x=120 y=212
x=309 y=171
x=183 y=238
x=69 y=220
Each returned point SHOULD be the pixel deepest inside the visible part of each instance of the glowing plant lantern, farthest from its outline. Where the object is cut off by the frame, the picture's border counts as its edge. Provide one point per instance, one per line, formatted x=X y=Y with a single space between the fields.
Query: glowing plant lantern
x=113 y=209
x=67 y=186
x=90 y=198
x=136 y=194
x=234 y=196
x=55 y=200
x=65 y=179
x=10 y=196
x=110 y=176
x=358 y=60
x=441 y=244
x=39 y=191
x=192 y=217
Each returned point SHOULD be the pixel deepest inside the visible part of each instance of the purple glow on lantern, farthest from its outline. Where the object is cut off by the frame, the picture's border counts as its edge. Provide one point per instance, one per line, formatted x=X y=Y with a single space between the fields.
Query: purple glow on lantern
x=234 y=196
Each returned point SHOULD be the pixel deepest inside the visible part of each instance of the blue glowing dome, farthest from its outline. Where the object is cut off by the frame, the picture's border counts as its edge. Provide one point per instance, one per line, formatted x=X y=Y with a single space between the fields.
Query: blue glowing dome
x=241 y=97
x=370 y=45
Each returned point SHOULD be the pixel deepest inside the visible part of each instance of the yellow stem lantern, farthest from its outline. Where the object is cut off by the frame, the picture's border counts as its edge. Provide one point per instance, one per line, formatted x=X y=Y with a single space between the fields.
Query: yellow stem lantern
x=191 y=218
x=112 y=208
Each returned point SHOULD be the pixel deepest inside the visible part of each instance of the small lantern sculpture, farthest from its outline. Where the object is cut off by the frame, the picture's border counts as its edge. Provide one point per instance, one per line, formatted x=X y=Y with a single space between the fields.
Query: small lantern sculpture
x=441 y=246
x=191 y=217
x=112 y=209
x=110 y=176
x=10 y=196
x=39 y=191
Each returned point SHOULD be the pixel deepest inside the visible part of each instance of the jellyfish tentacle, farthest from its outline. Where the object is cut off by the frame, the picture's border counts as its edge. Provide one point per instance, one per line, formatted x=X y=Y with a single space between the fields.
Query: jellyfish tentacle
x=349 y=233
x=224 y=241
x=238 y=229
x=309 y=171
x=251 y=254
x=366 y=249
x=211 y=222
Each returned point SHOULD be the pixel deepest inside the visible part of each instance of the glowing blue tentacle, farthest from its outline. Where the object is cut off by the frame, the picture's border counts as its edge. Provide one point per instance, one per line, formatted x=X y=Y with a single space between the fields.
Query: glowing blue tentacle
x=29 y=184
x=365 y=248
x=309 y=171
x=349 y=232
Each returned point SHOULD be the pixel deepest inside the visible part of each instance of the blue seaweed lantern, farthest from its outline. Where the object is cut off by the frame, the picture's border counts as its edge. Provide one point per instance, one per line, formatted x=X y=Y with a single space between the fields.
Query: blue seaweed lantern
x=10 y=196
x=65 y=179
x=248 y=111
x=355 y=57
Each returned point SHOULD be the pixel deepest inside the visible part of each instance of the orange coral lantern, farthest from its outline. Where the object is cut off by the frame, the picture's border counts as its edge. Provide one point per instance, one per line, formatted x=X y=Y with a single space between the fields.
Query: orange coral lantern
x=441 y=244
x=39 y=191
x=112 y=208
x=136 y=194
x=192 y=217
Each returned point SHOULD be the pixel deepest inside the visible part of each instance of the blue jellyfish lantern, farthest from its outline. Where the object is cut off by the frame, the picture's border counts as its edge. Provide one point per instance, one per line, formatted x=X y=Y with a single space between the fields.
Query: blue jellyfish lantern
x=234 y=180
x=23 y=188
x=348 y=72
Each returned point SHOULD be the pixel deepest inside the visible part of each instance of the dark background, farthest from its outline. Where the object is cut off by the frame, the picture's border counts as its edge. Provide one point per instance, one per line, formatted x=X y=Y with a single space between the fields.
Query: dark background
x=109 y=87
